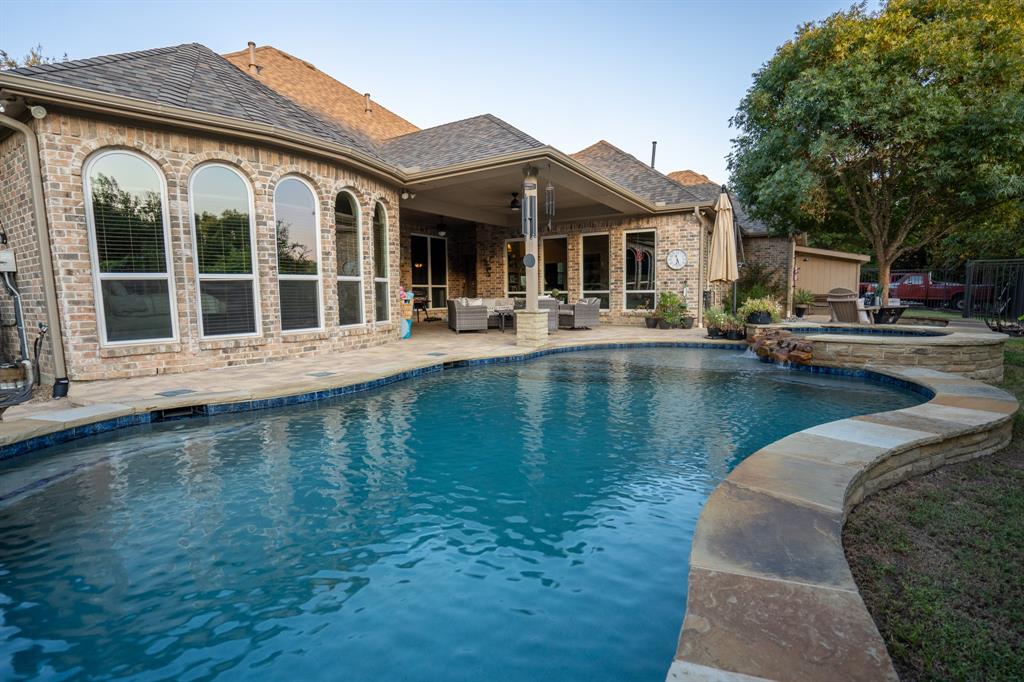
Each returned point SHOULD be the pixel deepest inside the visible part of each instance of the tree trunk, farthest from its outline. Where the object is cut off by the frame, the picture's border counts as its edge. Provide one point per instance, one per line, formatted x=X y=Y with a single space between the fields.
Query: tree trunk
x=884 y=267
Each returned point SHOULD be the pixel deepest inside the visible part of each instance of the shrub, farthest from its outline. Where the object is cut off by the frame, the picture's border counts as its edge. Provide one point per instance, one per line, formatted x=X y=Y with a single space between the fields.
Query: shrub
x=765 y=304
x=803 y=297
x=715 y=317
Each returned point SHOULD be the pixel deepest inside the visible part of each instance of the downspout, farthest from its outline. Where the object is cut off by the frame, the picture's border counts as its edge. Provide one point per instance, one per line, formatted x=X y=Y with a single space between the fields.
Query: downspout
x=60 y=370
x=700 y=266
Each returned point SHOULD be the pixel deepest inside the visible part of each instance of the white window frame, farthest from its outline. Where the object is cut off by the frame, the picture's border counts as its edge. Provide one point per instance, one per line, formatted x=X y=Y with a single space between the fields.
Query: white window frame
x=430 y=286
x=654 y=259
x=351 y=278
x=504 y=255
x=318 y=277
x=99 y=277
x=608 y=291
x=200 y=278
x=387 y=263
x=545 y=292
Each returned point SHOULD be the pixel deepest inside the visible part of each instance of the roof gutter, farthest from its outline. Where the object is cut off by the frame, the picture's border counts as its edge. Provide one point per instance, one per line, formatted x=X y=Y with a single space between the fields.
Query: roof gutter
x=548 y=153
x=90 y=100
x=60 y=369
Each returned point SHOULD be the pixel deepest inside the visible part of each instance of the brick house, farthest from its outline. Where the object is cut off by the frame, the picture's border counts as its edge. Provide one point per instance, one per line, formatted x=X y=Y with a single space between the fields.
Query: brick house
x=204 y=211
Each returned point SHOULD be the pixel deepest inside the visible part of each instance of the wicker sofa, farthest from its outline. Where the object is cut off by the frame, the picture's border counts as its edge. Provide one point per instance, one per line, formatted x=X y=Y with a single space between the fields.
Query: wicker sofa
x=466 y=317
x=583 y=315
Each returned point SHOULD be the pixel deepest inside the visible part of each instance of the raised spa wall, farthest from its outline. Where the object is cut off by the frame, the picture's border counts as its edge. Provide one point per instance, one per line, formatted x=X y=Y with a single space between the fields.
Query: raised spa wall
x=975 y=355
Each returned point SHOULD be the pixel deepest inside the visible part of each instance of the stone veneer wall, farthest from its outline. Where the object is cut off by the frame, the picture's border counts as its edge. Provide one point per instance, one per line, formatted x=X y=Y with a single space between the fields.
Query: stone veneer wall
x=16 y=218
x=68 y=139
x=981 y=361
x=676 y=231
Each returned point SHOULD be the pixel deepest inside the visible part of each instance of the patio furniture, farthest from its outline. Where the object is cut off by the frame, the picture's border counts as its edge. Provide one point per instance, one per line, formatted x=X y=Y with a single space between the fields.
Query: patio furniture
x=544 y=303
x=843 y=304
x=499 y=311
x=889 y=314
x=583 y=315
x=550 y=305
x=467 y=315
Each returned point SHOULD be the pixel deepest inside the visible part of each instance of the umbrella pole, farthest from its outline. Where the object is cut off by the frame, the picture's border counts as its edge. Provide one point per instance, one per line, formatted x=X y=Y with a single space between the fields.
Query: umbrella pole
x=734 y=297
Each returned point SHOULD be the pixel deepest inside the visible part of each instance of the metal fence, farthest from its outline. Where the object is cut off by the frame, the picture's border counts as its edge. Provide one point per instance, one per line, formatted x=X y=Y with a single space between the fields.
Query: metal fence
x=995 y=289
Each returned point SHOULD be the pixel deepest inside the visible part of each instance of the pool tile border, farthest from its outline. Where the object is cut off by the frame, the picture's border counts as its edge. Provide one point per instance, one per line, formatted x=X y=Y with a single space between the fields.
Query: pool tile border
x=181 y=409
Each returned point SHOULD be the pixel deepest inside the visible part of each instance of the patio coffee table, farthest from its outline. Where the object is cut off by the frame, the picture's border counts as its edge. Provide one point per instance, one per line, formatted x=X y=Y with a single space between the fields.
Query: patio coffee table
x=504 y=315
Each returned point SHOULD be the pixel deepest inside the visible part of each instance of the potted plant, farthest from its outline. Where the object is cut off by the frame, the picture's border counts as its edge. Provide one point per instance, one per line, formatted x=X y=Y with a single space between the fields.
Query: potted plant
x=734 y=328
x=714 y=319
x=670 y=310
x=685 y=318
x=650 y=319
x=802 y=300
x=760 y=310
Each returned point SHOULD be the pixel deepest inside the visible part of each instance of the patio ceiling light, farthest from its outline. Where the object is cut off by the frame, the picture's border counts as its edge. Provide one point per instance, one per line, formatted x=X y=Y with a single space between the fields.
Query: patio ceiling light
x=514 y=204
x=408 y=194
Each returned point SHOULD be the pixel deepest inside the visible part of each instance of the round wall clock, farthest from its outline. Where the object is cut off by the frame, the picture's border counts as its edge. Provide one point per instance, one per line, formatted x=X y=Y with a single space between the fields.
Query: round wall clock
x=676 y=259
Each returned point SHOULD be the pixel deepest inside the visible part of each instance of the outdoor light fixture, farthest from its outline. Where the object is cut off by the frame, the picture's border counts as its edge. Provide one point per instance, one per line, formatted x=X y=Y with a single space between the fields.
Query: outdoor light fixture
x=514 y=204
x=442 y=229
x=406 y=194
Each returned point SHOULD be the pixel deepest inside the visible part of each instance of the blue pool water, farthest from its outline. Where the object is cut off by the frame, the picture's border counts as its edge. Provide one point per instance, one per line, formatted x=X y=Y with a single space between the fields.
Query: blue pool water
x=529 y=521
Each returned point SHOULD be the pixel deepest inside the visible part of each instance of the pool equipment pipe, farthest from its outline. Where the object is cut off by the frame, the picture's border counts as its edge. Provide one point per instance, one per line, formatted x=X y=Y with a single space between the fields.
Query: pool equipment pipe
x=19 y=394
x=60 y=370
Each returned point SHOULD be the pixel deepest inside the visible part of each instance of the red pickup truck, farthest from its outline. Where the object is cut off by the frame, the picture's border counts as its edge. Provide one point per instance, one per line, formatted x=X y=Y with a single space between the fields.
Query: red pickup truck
x=919 y=287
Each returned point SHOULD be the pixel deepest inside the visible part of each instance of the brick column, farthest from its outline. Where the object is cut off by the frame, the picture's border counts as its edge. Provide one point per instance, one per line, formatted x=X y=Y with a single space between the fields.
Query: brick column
x=531 y=327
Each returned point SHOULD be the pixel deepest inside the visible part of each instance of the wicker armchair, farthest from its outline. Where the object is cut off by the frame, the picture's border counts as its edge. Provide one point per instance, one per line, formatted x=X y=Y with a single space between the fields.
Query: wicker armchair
x=583 y=315
x=548 y=304
x=466 y=318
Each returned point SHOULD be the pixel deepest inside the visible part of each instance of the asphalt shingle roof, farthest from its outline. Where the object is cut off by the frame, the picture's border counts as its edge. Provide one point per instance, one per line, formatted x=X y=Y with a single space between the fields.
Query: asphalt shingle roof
x=635 y=175
x=195 y=77
x=470 y=139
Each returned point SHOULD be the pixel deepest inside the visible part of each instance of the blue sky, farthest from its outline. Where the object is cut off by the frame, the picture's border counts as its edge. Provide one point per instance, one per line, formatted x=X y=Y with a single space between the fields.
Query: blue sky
x=567 y=73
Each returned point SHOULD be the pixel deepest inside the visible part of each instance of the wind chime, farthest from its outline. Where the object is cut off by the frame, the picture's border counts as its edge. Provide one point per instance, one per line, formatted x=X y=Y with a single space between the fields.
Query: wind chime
x=549 y=201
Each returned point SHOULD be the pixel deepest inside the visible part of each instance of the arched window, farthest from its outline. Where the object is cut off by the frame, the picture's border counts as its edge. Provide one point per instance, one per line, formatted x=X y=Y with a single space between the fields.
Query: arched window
x=223 y=235
x=348 y=247
x=380 y=264
x=298 y=254
x=128 y=234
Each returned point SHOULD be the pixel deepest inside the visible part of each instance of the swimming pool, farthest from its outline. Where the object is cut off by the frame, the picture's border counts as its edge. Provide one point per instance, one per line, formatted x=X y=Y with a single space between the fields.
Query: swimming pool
x=517 y=522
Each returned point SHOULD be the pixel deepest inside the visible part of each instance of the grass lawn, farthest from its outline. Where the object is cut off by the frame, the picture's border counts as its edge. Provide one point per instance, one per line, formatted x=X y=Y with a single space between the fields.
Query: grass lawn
x=940 y=562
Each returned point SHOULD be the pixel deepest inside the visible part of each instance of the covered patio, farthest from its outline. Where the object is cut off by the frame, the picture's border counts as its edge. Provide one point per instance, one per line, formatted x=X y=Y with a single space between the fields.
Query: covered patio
x=461 y=236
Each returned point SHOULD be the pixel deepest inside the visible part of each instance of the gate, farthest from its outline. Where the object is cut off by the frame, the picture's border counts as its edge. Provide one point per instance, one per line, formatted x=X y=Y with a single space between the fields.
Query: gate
x=995 y=289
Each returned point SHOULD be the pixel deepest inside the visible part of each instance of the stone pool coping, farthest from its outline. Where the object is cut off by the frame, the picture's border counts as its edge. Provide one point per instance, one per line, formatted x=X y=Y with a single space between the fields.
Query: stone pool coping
x=771 y=596
x=888 y=334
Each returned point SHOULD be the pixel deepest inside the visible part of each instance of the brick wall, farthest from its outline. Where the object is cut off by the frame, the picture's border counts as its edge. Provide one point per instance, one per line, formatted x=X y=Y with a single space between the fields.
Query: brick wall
x=68 y=139
x=677 y=231
x=461 y=249
x=776 y=253
x=16 y=215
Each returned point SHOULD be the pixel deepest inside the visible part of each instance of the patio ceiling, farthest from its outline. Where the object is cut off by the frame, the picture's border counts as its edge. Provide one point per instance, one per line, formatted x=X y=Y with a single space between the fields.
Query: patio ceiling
x=483 y=195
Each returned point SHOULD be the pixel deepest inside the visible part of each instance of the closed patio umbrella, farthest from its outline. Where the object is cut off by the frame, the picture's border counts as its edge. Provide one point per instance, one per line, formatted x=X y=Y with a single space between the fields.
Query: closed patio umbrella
x=722 y=264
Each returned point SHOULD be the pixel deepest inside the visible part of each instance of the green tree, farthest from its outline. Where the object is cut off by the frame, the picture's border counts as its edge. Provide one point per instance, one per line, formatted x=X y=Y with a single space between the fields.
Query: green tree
x=35 y=57
x=900 y=126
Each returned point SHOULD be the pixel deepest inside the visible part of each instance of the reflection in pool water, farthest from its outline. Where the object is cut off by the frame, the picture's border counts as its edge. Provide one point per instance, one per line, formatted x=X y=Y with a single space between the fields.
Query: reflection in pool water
x=515 y=522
